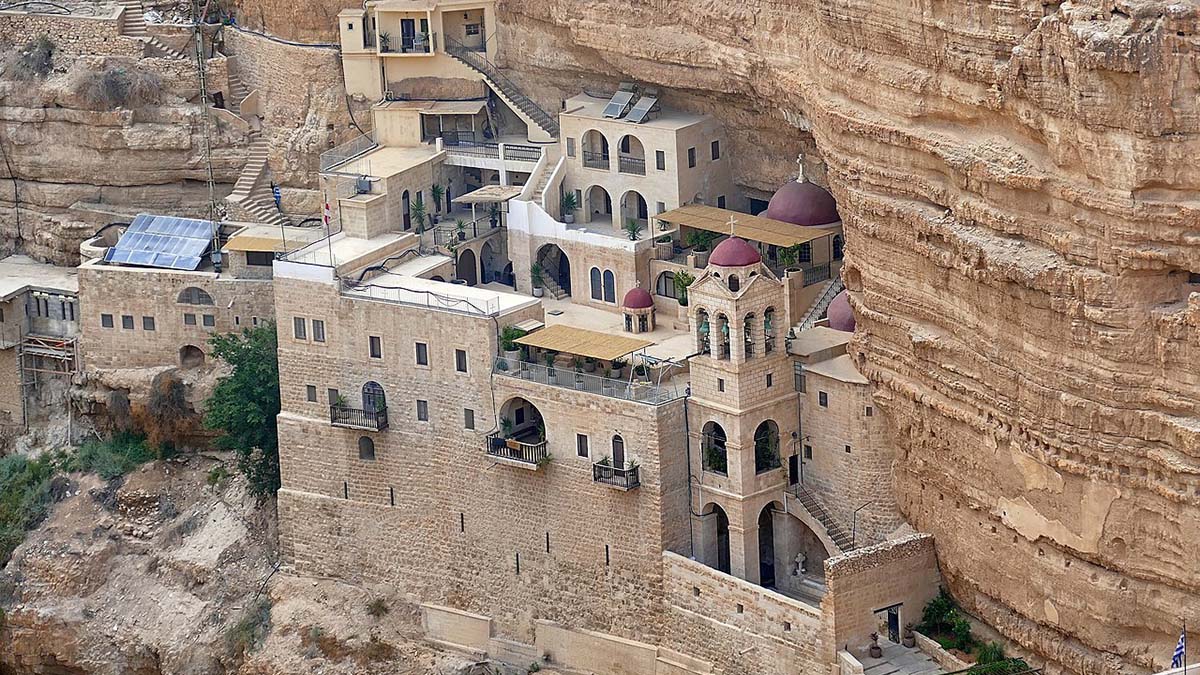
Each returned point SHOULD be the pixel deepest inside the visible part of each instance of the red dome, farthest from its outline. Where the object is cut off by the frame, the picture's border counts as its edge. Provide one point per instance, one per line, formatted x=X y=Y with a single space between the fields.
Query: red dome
x=804 y=204
x=734 y=252
x=841 y=317
x=637 y=298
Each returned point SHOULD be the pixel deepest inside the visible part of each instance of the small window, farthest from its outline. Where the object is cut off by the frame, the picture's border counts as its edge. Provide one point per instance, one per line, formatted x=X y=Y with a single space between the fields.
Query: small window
x=366 y=448
x=770 y=379
x=691 y=158
x=870 y=411
x=333 y=395
x=375 y=345
x=299 y=328
x=260 y=258
x=147 y=323
x=581 y=445
x=208 y=320
x=106 y=320
x=807 y=452
x=126 y=322
x=610 y=287
x=460 y=360
x=189 y=319
x=720 y=384
x=579 y=197
x=70 y=312
x=318 y=327
x=472 y=28
x=720 y=201
x=194 y=296
x=350 y=25
x=422 y=354
x=660 y=160
x=847 y=449
x=310 y=392
x=822 y=399
x=468 y=418
x=570 y=147
x=254 y=320
x=660 y=207
x=422 y=410
x=716 y=150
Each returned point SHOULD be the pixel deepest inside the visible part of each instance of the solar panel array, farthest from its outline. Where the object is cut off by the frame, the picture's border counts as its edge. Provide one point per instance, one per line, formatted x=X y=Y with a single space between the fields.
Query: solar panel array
x=616 y=107
x=643 y=108
x=163 y=241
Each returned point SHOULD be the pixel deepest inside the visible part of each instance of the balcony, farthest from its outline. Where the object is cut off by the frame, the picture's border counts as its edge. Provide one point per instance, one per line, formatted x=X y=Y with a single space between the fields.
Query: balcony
x=620 y=479
x=638 y=391
x=632 y=165
x=596 y=160
x=516 y=452
x=354 y=418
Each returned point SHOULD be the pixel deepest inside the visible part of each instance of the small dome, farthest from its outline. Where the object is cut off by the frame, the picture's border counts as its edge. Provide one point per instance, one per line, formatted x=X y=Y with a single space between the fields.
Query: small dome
x=734 y=252
x=841 y=317
x=637 y=298
x=804 y=204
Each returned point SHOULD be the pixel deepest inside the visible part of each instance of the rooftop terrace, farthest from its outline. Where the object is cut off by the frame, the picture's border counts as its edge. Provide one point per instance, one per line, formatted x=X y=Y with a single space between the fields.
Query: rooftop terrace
x=19 y=272
x=591 y=107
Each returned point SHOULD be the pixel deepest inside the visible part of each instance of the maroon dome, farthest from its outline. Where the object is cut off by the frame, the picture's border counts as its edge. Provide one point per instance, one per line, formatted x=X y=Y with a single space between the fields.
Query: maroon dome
x=637 y=298
x=841 y=317
x=804 y=204
x=734 y=252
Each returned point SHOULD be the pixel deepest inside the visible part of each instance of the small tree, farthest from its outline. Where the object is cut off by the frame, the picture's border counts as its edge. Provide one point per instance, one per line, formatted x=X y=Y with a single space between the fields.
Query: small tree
x=633 y=228
x=245 y=403
x=437 y=192
x=682 y=281
x=418 y=214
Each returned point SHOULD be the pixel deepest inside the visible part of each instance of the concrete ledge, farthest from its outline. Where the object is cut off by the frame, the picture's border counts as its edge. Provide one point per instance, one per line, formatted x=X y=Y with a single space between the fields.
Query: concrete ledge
x=456 y=628
x=943 y=658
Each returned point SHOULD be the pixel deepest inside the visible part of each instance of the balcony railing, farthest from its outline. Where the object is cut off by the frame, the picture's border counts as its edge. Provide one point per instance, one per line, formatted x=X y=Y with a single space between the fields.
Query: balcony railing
x=355 y=418
x=522 y=153
x=408 y=45
x=640 y=392
x=634 y=165
x=534 y=454
x=816 y=274
x=446 y=232
x=596 y=160
x=622 y=479
x=343 y=153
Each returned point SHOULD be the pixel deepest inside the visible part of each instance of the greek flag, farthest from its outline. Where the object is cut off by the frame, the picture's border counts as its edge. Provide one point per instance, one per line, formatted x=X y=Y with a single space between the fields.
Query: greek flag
x=1180 y=647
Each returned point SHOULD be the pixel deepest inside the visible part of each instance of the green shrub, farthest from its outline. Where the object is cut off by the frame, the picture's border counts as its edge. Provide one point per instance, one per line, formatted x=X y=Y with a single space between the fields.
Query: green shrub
x=25 y=497
x=217 y=474
x=961 y=628
x=244 y=404
x=991 y=652
x=939 y=614
x=115 y=457
x=248 y=633
x=32 y=61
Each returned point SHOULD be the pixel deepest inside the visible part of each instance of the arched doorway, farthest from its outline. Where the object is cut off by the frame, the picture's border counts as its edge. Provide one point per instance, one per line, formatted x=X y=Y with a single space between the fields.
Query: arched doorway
x=716 y=538
x=465 y=269
x=190 y=356
x=595 y=150
x=766 y=447
x=633 y=205
x=599 y=205
x=556 y=267
x=766 y=544
x=714 y=455
x=373 y=398
x=522 y=421
x=490 y=263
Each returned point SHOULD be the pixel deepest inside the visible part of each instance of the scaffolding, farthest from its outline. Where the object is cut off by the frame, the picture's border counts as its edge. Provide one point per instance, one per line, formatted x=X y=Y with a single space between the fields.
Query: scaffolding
x=44 y=356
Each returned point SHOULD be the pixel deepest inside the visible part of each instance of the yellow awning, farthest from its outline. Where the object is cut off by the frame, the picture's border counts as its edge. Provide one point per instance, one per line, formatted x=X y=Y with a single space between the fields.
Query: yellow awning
x=753 y=228
x=252 y=243
x=583 y=342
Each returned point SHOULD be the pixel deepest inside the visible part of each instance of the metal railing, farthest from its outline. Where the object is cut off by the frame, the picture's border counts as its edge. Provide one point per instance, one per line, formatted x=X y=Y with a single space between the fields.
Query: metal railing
x=596 y=160
x=633 y=165
x=347 y=151
x=480 y=62
x=445 y=233
x=816 y=274
x=356 y=418
x=446 y=302
x=411 y=44
x=455 y=138
x=640 y=392
x=626 y=479
x=522 y=153
x=475 y=149
x=520 y=451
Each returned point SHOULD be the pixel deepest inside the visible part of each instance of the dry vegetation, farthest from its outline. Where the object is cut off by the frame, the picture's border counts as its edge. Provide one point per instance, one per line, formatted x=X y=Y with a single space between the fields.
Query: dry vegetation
x=32 y=61
x=115 y=87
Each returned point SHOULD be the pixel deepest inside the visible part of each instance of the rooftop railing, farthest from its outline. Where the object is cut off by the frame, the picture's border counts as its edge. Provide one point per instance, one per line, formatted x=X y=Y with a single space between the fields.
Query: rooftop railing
x=637 y=391
x=623 y=479
x=347 y=151
x=356 y=418
x=446 y=232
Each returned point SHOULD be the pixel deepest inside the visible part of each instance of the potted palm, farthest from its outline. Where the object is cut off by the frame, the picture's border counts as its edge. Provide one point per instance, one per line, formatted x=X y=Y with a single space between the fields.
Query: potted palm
x=535 y=276
x=436 y=192
x=788 y=257
x=551 y=374
x=494 y=214
x=876 y=651
x=700 y=240
x=417 y=211
x=682 y=281
x=633 y=228
x=508 y=343
x=385 y=41
x=618 y=368
x=461 y=228
x=567 y=205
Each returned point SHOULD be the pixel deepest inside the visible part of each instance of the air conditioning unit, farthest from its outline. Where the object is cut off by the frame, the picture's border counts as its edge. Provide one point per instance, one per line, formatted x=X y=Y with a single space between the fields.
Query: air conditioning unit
x=362 y=185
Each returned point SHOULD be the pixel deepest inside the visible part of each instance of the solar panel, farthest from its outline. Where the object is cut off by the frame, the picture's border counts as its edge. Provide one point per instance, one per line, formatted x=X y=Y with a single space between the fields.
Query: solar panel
x=643 y=108
x=163 y=241
x=616 y=107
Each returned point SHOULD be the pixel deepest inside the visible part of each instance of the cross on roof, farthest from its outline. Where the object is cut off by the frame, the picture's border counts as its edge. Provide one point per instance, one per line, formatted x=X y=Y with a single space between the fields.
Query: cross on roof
x=732 y=224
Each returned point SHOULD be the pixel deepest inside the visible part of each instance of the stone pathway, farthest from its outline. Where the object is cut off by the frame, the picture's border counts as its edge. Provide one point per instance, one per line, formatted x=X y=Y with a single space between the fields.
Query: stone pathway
x=900 y=660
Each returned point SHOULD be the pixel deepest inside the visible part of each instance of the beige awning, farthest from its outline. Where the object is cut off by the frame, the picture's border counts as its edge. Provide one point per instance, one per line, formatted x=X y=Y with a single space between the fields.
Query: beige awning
x=437 y=107
x=250 y=243
x=489 y=194
x=753 y=228
x=583 y=342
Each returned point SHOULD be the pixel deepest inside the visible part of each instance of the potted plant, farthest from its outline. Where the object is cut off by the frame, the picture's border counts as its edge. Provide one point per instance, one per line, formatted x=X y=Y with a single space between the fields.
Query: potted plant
x=461 y=227
x=567 y=205
x=548 y=357
x=589 y=364
x=618 y=368
x=876 y=651
x=642 y=372
x=506 y=426
x=417 y=211
x=535 y=275
x=605 y=461
x=908 y=639
x=385 y=41
x=633 y=228
x=437 y=191
x=508 y=342
x=494 y=214
x=682 y=281
x=502 y=366
x=664 y=247
x=700 y=240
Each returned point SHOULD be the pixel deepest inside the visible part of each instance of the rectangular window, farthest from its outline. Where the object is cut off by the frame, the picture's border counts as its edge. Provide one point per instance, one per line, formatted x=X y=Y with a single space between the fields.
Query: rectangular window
x=422 y=410
x=660 y=160
x=1 y=315
x=468 y=418
x=798 y=373
x=720 y=201
x=318 y=330
x=847 y=449
x=691 y=158
x=70 y=311
x=299 y=328
x=126 y=322
x=310 y=392
x=870 y=411
x=189 y=319
x=333 y=395
x=770 y=379
x=208 y=320
x=660 y=207
x=460 y=360
x=720 y=384
x=823 y=399
x=570 y=147
x=147 y=323
x=106 y=320
x=422 y=354
x=471 y=28
x=581 y=445
x=807 y=452
x=260 y=258
x=375 y=345
x=716 y=150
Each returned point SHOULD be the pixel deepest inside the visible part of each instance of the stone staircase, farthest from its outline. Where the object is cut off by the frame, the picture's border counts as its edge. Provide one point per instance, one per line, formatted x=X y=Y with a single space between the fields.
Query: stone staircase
x=504 y=87
x=238 y=91
x=133 y=24
x=552 y=288
x=543 y=179
x=810 y=504
x=251 y=193
x=817 y=309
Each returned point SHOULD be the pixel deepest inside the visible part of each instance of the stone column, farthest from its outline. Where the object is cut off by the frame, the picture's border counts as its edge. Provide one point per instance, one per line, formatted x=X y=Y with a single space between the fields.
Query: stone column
x=743 y=551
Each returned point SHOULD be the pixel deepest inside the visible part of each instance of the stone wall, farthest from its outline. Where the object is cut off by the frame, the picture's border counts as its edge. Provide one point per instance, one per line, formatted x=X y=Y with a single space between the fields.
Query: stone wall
x=72 y=35
x=12 y=411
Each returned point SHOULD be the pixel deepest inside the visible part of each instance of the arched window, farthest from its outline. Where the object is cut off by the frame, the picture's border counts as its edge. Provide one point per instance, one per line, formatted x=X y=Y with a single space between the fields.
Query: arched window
x=404 y=201
x=618 y=451
x=734 y=284
x=837 y=247
x=748 y=334
x=373 y=398
x=594 y=277
x=712 y=445
x=703 y=330
x=665 y=286
x=610 y=287
x=769 y=329
x=722 y=324
x=766 y=447
x=366 y=448
x=194 y=296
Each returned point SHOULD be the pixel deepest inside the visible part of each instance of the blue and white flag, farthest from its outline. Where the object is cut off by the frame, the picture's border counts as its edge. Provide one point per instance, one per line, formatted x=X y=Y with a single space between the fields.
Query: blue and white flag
x=1180 y=648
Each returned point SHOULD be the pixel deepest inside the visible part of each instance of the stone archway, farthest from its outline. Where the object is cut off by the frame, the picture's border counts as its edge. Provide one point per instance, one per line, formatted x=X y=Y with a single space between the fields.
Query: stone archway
x=556 y=267
x=190 y=356
x=466 y=268
x=715 y=538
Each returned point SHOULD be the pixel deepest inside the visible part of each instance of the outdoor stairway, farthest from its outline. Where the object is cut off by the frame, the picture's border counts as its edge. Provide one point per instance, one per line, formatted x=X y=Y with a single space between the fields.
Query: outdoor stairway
x=503 y=87
x=237 y=92
x=133 y=24
x=551 y=152
x=251 y=193
x=839 y=536
x=552 y=288
x=817 y=310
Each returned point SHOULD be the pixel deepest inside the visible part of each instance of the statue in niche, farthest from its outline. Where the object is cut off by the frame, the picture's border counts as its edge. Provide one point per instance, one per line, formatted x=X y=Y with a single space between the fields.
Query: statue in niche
x=801 y=564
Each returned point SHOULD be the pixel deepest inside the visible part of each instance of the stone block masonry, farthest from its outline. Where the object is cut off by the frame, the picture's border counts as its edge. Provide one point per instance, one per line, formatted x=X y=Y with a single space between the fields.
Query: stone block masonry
x=73 y=35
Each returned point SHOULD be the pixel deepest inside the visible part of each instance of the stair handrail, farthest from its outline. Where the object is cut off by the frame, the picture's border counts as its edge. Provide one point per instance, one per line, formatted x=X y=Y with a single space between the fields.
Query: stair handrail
x=826 y=297
x=531 y=184
x=827 y=521
x=492 y=71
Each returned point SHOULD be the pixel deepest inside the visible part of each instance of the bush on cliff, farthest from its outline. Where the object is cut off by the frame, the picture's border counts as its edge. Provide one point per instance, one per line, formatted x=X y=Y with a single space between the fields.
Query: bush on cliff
x=25 y=497
x=244 y=404
x=112 y=458
x=33 y=61
x=115 y=87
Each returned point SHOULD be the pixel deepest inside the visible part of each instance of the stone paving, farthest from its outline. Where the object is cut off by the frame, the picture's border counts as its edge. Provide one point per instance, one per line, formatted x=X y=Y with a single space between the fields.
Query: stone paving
x=899 y=660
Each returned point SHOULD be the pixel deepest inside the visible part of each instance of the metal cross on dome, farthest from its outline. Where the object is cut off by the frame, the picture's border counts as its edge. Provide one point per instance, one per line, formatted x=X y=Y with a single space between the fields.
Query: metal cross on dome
x=732 y=225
